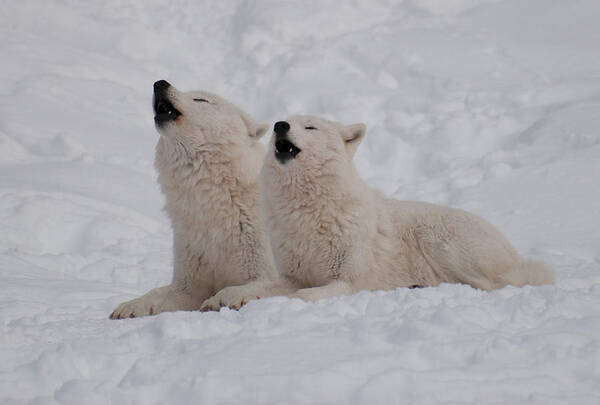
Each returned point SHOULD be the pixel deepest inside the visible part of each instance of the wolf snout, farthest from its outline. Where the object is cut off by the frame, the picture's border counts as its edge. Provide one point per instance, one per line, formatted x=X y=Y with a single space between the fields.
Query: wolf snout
x=164 y=110
x=281 y=128
x=285 y=149
x=161 y=86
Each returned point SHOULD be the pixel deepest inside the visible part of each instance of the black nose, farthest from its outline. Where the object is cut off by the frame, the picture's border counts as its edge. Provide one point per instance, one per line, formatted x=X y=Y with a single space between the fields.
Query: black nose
x=161 y=86
x=281 y=128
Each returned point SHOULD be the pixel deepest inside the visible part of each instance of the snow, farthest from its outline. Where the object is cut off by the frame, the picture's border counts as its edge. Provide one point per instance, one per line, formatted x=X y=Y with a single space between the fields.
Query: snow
x=488 y=105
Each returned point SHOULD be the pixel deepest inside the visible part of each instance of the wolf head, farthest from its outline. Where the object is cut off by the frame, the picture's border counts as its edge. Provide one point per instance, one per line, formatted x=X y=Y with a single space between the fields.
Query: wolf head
x=303 y=142
x=191 y=121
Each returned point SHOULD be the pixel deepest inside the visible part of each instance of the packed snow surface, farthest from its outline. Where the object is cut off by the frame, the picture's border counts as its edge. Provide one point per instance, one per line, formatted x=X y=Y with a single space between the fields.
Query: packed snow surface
x=492 y=106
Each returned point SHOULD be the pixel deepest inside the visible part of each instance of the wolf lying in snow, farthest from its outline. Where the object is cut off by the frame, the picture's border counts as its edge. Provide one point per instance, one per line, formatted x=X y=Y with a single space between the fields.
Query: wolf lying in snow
x=208 y=160
x=333 y=235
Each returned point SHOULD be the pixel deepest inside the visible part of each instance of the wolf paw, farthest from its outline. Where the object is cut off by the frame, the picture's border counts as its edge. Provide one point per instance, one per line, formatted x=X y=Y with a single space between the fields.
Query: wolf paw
x=162 y=299
x=136 y=308
x=233 y=297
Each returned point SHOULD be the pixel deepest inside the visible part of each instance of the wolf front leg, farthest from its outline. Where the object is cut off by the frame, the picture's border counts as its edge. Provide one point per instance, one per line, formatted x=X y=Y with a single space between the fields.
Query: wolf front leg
x=163 y=299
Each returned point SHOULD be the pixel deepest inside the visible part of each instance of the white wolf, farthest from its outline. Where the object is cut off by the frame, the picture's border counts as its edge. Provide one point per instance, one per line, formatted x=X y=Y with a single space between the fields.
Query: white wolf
x=208 y=161
x=333 y=235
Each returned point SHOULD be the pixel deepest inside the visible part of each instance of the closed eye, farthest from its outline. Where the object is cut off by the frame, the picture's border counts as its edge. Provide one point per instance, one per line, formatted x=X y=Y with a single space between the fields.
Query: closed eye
x=201 y=100
x=310 y=128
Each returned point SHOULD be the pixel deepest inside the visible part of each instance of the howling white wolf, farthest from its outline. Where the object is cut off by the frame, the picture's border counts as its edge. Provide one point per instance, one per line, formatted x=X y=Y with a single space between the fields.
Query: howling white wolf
x=208 y=160
x=331 y=234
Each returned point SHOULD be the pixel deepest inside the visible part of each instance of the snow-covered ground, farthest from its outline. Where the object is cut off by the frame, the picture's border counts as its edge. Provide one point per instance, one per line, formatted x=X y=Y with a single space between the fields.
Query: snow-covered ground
x=488 y=105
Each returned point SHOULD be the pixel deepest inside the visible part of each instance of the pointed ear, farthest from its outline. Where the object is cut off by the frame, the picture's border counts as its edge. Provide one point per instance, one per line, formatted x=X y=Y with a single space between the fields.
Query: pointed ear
x=255 y=129
x=259 y=130
x=352 y=136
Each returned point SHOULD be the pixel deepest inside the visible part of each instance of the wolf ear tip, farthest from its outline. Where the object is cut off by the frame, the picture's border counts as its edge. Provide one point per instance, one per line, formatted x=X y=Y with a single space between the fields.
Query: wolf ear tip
x=258 y=130
x=261 y=129
x=355 y=131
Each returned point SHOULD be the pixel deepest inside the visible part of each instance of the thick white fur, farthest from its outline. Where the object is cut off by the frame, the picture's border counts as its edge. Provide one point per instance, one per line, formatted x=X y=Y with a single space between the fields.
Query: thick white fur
x=333 y=235
x=208 y=162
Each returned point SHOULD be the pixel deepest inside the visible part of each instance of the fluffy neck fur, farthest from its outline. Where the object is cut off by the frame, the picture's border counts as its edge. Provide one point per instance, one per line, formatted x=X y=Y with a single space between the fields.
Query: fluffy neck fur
x=332 y=197
x=211 y=169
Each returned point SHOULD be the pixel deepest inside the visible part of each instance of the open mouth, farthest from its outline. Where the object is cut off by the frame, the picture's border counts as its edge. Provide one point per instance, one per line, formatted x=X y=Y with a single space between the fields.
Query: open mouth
x=164 y=111
x=285 y=150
